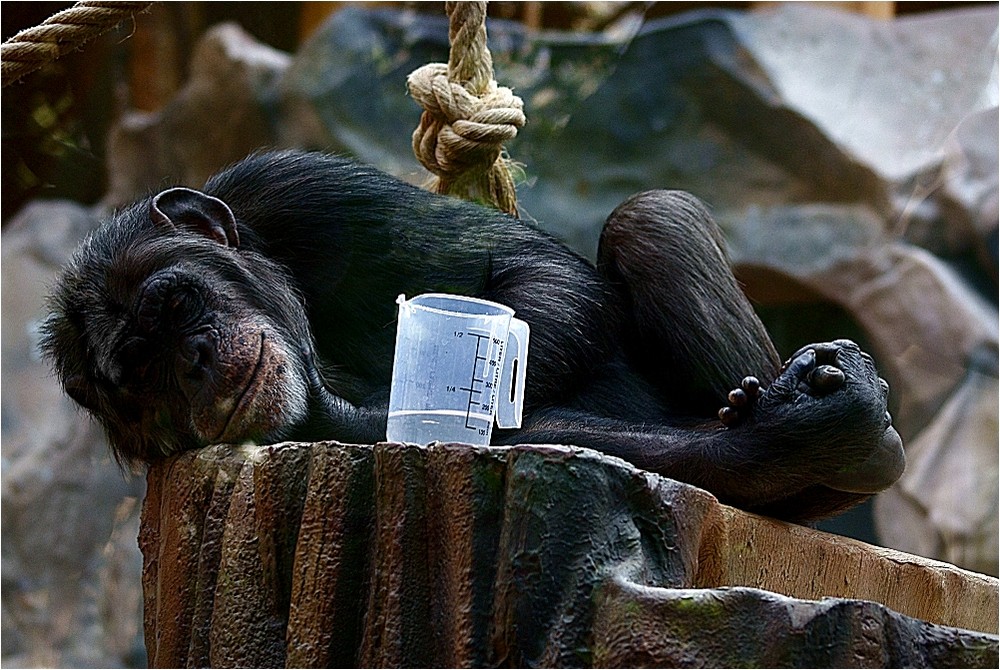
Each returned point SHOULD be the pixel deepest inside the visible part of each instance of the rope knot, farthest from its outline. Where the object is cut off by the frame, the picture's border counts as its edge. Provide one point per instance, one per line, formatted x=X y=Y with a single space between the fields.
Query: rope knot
x=466 y=117
x=459 y=131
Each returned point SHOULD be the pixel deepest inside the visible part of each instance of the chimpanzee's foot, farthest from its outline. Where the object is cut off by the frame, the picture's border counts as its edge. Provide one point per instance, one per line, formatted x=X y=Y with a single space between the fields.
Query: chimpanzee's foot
x=810 y=371
x=740 y=401
x=829 y=375
x=883 y=467
x=813 y=369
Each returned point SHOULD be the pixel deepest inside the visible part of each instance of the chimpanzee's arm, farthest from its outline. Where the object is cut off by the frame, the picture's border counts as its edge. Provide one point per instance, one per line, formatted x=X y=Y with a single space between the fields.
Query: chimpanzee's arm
x=332 y=417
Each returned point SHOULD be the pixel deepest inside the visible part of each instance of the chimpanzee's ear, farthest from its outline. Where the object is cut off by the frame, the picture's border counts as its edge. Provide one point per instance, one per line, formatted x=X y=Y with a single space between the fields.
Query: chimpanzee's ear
x=195 y=211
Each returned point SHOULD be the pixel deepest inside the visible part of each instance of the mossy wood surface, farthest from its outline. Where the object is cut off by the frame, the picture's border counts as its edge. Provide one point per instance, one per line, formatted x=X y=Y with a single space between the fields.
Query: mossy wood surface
x=331 y=555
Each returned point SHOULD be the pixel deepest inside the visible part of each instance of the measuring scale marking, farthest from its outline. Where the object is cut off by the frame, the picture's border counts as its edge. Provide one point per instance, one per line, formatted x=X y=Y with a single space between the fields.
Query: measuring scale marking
x=476 y=379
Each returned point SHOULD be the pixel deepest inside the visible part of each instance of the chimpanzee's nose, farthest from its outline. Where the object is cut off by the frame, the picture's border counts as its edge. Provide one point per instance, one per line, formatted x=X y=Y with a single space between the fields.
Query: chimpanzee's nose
x=196 y=355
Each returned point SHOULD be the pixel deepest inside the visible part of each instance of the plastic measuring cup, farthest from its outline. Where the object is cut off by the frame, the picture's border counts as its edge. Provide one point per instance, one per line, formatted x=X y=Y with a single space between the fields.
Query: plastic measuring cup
x=459 y=365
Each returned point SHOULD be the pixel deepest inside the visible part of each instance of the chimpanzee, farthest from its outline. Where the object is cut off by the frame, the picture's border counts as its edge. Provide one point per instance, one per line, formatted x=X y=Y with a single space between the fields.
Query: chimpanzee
x=262 y=308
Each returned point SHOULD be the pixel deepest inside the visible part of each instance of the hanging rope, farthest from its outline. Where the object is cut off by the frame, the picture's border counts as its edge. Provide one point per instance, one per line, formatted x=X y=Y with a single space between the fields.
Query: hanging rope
x=61 y=33
x=467 y=117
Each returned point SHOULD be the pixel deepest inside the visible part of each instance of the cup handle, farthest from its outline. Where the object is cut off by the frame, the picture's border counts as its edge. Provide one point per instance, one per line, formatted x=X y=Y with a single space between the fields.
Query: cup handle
x=510 y=399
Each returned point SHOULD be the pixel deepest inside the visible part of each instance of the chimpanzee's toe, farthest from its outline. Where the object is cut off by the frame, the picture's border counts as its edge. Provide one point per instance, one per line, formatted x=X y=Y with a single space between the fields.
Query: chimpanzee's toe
x=825 y=379
x=741 y=400
x=815 y=370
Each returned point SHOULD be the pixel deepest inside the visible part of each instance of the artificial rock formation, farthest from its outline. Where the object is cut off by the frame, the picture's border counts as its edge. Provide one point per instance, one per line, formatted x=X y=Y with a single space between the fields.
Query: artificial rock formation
x=331 y=555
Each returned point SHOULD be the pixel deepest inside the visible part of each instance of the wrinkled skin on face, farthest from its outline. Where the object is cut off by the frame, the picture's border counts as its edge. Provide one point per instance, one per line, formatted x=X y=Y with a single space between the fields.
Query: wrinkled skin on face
x=168 y=343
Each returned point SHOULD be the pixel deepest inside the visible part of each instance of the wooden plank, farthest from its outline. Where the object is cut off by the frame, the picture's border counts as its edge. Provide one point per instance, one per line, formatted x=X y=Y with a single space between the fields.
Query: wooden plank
x=750 y=550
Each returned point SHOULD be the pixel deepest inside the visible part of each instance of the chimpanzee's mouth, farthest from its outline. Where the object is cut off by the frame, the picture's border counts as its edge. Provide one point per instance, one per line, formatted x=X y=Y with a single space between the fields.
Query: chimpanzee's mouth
x=247 y=395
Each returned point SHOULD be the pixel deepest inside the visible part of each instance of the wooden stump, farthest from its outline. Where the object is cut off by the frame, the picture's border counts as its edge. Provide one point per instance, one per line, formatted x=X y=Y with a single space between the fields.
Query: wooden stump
x=330 y=555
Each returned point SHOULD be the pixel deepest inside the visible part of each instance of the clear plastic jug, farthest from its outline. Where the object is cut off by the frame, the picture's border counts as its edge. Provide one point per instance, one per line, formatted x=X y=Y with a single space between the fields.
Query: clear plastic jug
x=459 y=366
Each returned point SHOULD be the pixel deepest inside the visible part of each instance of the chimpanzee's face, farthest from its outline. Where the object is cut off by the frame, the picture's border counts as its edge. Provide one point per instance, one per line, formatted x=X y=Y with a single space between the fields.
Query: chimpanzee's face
x=172 y=336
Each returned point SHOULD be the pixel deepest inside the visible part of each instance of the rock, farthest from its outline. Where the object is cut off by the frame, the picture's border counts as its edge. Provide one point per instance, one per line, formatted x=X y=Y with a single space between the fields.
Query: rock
x=71 y=566
x=797 y=105
x=887 y=93
x=742 y=109
x=728 y=628
x=951 y=482
x=330 y=555
x=969 y=201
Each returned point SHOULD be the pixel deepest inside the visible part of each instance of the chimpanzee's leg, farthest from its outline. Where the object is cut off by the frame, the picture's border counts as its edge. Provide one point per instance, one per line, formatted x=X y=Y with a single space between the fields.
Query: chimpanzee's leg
x=804 y=450
x=816 y=441
x=694 y=333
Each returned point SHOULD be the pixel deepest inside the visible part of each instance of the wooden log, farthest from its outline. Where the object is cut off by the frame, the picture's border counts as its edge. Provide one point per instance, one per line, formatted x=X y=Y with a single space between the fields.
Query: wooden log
x=330 y=555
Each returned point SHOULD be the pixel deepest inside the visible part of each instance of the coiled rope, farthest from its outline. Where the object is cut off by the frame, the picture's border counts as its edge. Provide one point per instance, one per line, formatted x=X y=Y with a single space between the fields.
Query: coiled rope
x=467 y=117
x=61 y=33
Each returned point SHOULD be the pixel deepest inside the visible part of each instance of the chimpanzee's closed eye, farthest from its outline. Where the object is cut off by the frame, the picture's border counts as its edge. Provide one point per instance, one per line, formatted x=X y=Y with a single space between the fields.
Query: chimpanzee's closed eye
x=185 y=307
x=168 y=301
x=136 y=357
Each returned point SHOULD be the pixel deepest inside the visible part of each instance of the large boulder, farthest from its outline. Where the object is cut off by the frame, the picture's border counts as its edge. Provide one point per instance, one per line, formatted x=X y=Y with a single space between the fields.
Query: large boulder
x=218 y=117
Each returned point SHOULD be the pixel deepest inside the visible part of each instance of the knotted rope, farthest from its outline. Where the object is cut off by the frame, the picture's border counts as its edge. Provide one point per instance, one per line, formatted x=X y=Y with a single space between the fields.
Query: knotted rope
x=467 y=117
x=61 y=33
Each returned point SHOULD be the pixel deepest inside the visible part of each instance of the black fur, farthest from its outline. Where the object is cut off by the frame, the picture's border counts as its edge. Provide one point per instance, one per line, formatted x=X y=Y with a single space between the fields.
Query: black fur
x=181 y=322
